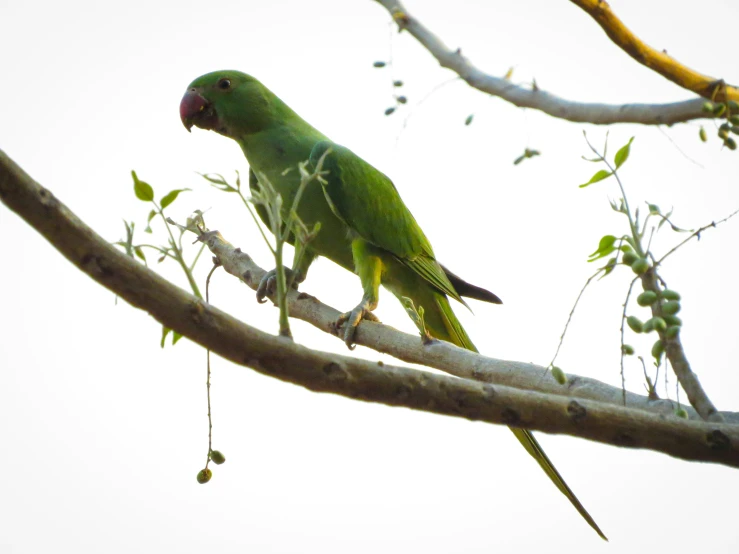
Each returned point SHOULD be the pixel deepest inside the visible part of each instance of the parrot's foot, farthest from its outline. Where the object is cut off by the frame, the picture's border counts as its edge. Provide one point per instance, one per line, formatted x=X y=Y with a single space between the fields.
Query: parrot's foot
x=352 y=319
x=268 y=284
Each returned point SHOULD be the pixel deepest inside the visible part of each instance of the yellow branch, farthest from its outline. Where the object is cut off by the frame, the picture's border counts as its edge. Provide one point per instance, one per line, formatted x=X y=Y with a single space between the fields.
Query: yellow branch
x=708 y=87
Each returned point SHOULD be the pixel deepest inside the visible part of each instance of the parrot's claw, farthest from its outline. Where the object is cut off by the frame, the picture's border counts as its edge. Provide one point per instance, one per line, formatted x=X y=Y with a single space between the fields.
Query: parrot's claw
x=268 y=284
x=352 y=319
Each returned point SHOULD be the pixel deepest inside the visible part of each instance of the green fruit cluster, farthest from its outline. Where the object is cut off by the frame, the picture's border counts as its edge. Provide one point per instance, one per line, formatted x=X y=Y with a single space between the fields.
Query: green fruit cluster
x=730 y=110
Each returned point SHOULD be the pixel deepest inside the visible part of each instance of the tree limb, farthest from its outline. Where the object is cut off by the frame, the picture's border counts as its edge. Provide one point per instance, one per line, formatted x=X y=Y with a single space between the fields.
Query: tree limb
x=535 y=98
x=659 y=62
x=440 y=355
x=359 y=379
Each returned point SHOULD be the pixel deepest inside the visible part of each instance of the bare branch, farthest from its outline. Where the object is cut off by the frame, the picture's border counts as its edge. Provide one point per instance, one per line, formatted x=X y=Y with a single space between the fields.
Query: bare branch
x=534 y=97
x=659 y=62
x=358 y=379
x=441 y=355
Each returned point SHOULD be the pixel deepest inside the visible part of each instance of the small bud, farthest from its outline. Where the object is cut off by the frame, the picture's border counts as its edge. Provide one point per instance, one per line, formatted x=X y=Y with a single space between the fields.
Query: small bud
x=204 y=476
x=559 y=375
x=647 y=298
x=671 y=307
x=640 y=266
x=217 y=457
x=627 y=349
x=383 y=64
x=635 y=324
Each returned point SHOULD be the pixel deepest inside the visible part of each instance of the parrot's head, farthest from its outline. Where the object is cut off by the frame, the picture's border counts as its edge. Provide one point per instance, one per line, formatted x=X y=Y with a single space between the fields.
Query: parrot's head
x=228 y=102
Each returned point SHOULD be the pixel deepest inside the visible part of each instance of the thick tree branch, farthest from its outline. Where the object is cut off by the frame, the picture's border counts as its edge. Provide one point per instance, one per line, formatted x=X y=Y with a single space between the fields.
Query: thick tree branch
x=660 y=62
x=535 y=98
x=324 y=372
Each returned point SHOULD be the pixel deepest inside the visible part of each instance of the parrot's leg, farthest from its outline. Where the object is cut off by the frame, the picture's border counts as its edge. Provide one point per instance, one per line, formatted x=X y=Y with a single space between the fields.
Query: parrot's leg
x=293 y=277
x=368 y=265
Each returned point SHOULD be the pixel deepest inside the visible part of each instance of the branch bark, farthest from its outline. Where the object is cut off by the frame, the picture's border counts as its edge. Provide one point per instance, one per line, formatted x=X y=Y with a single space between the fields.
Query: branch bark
x=535 y=98
x=359 y=379
x=659 y=62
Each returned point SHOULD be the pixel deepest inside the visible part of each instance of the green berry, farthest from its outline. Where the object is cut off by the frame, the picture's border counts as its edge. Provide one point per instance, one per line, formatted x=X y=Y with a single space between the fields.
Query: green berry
x=383 y=64
x=719 y=109
x=559 y=375
x=647 y=298
x=733 y=106
x=629 y=258
x=655 y=323
x=681 y=413
x=217 y=457
x=730 y=143
x=635 y=324
x=672 y=320
x=734 y=119
x=397 y=83
x=707 y=106
x=204 y=476
x=671 y=307
x=389 y=111
x=669 y=294
x=402 y=100
x=702 y=134
x=723 y=134
x=672 y=331
x=627 y=349
x=657 y=350
x=640 y=266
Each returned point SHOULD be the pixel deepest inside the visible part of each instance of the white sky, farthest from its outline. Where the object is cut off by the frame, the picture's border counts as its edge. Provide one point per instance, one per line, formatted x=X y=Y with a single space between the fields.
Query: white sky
x=104 y=432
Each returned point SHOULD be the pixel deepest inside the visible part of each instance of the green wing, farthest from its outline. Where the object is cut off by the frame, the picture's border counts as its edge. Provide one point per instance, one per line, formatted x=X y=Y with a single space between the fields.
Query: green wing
x=367 y=201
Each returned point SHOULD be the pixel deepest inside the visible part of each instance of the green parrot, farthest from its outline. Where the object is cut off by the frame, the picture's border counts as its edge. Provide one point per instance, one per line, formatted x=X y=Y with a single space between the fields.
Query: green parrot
x=365 y=226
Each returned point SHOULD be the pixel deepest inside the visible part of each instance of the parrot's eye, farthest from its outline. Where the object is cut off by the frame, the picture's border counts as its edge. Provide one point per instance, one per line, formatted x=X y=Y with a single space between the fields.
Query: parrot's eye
x=224 y=84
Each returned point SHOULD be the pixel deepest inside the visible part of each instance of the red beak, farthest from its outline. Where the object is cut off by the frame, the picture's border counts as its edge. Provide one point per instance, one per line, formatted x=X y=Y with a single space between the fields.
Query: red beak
x=192 y=108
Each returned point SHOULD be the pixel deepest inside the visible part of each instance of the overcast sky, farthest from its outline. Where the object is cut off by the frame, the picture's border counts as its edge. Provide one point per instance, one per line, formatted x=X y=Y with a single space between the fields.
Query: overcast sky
x=104 y=432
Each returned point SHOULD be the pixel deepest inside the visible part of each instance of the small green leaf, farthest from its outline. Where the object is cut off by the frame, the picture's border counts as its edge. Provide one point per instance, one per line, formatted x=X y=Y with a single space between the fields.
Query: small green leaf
x=165 y=332
x=152 y=213
x=219 y=182
x=143 y=190
x=175 y=337
x=599 y=176
x=654 y=209
x=139 y=253
x=623 y=154
x=170 y=197
x=605 y=247
x=610 y=265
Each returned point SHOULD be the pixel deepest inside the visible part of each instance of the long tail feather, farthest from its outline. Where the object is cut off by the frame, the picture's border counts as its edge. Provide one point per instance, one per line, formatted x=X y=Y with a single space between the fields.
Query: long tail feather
x=455 y=333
